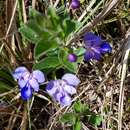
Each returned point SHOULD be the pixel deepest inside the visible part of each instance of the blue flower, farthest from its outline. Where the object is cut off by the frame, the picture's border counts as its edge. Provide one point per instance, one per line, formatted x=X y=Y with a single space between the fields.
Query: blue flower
x=75 y=4
x=95 y=47
x=28 y=82
x=61 y=89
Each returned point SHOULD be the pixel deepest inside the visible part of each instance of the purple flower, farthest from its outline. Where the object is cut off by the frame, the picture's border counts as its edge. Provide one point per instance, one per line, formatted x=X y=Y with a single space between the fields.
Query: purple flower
x=75 y=4
x=72 y=58
x=28 y=82
x=61 y=89
x=95 y=47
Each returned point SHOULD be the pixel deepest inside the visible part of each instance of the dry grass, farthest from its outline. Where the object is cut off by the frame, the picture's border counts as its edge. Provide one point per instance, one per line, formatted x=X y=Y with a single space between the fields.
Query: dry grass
x=105 y=84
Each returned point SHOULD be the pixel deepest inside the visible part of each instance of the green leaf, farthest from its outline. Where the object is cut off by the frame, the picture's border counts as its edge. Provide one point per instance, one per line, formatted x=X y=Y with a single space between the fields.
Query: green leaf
x=53 y=53
x=68 y=118
x=68 y=26
x=4 y=86
x=33 y=25
x=39 y=29
x=80 y=59
x=77 y=125
x=70 y=66
x=52 y=12
x=47 y=63
x=45 y=46
x=80 y=108
x=95 y=120
x=64 y=61
x=28 y=33
x=80 y=51
x=7 y=77
x=33 y=13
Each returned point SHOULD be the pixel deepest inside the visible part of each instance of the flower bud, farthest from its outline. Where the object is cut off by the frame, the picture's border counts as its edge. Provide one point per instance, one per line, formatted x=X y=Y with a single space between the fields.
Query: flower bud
x=75 y=4
x=72 y=58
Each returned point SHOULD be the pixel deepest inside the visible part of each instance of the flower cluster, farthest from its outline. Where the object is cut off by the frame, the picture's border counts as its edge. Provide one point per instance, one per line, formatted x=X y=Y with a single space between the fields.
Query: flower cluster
x=95 y=47
x=28 y=82
x=75 y=4
x=61 y=89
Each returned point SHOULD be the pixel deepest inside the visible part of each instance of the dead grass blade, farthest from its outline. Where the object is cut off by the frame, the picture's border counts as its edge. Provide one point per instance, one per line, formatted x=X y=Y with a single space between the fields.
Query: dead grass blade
x=123 y=75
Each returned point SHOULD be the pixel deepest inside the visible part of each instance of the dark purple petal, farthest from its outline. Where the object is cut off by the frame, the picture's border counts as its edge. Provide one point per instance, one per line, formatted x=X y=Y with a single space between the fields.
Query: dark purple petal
x=34 y=84
x=72 y=58
x=106 y=48
x=26 y=93
x=65 y=100
x=97 y=56
x=75 y=4
x=91 y=39
x=88 y=55
x=37 y=74
x=19 y=71
x=71 y=79
x=70 y=89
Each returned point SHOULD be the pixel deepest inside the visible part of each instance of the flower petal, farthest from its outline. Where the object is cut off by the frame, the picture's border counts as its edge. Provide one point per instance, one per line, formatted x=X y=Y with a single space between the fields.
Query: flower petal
x=65 y=100
x=70 y=89
x=19 y=71
x=91 y=39
x=34 y=84
x=51 y=88
x=57 y=96
x=88 y=55
x=22 y=81
x=106 y=48
x=71 y=79
x=37 y=74
x=97 y=53
x=26 y=93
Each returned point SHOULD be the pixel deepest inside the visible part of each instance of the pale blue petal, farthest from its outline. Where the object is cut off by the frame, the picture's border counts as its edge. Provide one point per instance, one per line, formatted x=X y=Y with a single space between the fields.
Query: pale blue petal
x=65 y=100
x=37 y=74
x=57 y=96
x=22 y=81
x=71 y=79
x=19 y=71
x=70 y=89
x=51 y=88
x=26 y=93
x=34 y=84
